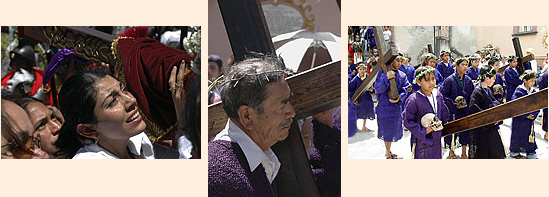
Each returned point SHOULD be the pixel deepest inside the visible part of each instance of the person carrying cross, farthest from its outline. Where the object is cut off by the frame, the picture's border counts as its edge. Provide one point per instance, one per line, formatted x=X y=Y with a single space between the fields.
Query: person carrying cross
x=256 y=98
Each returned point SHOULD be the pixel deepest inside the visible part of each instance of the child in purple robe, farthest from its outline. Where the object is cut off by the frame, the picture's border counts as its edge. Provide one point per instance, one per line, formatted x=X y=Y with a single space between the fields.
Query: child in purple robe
x=512 y=77
x=425 y=142
x=494 y=62
x=522 y=128
x=445 y=67
x=473 y=70
x=364 y=106
x=388 y=111
x=485 y=142
x=542 y=84
x=458 y=85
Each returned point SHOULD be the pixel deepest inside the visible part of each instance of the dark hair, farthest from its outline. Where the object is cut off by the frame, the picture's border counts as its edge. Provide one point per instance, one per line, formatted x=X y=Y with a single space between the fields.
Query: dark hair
x=77 y=100
x=245 y=83
x=216 y=59
x=425 y=70
x=511 y=58
x=459 y=60
x=492 y=61
x=25 y=101
x=528 y=74
x=7 y=95
x=192 y=115
x=486 y=71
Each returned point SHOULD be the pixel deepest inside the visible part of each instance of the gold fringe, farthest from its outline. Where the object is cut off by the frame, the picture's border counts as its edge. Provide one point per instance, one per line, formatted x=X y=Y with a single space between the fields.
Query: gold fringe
x=532 y=137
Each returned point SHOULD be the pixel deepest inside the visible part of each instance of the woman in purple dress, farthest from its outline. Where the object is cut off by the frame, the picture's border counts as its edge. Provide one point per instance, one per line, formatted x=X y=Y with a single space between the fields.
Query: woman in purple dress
x=364 y=106
x=485 y=142
x=425 y=142
x=522 y=128
x=389 y=120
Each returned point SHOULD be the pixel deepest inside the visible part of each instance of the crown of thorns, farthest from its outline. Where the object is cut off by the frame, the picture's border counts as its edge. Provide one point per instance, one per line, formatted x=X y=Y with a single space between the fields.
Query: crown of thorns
x=223 y=80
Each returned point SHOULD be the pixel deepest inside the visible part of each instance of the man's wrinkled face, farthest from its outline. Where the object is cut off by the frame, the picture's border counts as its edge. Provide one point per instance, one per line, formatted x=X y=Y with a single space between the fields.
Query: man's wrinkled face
x=274 y=123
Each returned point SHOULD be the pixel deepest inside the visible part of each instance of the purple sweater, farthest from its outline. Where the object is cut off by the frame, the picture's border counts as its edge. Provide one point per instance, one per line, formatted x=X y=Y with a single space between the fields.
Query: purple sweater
x=229 y=172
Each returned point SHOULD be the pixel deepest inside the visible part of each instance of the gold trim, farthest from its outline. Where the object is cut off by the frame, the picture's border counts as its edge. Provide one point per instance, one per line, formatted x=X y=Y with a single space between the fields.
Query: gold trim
x=301 y=7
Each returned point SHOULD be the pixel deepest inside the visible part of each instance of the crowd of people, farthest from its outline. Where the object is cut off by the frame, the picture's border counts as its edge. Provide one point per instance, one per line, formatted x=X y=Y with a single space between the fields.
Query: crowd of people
x=447 y=89
x=57 y=103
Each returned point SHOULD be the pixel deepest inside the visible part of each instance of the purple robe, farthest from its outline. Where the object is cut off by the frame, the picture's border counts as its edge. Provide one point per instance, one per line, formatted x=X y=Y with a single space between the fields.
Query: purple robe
x=325 y=159
x=472 y=73
x=454 y=87
x=521 y=128
x=428 y=146
x=389 y=120
x=485 y=142
x=229 y=172
x=512 y=81
x=499 y=80
x=365 y=109
x=352 y=119
x=352 y=71
x=410 y=71
x=444 y=70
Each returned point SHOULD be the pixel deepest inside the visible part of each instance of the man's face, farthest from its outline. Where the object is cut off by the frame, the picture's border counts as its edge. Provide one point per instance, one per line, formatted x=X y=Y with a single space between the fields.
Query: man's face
x=349 y=61
x=47 y=122
x=445 y=57
x=22 y=131
x=462 y=67
x=475 y=63
x=274 y=123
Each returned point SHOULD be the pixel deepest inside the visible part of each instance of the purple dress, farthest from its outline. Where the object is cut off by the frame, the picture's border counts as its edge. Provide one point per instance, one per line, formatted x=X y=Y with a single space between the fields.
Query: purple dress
x=521 y=128
x=512 y=81
x=485 y=142
x=365 y=109
x=444 y=70
x=389 y=120
x=229 y=172
x=454 y=87
x=428 y=146
x=472 y=73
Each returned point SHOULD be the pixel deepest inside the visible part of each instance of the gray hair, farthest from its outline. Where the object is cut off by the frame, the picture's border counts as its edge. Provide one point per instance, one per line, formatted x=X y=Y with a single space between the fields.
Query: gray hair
x=245 y=83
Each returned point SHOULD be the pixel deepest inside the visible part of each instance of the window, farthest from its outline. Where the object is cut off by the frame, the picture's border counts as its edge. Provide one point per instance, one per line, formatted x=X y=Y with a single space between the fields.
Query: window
x=524 y=30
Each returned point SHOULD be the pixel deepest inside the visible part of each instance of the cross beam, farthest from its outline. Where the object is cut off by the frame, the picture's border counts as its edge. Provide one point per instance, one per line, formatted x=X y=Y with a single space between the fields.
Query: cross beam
x=517 y=107
x=521 y=59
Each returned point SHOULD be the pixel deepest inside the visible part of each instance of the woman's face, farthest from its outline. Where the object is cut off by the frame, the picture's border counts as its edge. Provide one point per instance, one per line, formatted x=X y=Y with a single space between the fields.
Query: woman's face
x=116 y=111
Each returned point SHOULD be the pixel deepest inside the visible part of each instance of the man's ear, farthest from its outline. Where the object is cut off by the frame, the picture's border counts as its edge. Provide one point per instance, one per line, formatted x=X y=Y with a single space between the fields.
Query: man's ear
x=87 y=130
x=244 y=114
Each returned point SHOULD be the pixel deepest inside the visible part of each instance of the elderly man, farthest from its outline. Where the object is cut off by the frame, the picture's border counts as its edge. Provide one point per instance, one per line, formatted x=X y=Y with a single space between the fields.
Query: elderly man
x=256 y=98
x=17 y=130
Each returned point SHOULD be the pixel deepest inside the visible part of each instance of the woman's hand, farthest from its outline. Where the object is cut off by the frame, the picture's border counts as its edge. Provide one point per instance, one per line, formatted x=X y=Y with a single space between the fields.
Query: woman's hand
x=178 y=93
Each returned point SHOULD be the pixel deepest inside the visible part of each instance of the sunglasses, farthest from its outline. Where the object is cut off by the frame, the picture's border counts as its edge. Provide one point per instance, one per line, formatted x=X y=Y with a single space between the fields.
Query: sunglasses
x=23 y=148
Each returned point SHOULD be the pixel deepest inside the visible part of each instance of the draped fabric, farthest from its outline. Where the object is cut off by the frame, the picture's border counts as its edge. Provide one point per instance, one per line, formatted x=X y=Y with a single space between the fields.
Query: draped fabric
x=147 y=64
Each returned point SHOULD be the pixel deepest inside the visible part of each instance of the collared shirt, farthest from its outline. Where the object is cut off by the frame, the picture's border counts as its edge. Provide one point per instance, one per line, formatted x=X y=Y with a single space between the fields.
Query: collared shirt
x=137 y=145
x=252 y=151
x=530 y=91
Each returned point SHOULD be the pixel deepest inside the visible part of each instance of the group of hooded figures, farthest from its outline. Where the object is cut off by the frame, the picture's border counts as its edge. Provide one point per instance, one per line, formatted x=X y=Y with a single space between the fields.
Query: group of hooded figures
x=448 y=92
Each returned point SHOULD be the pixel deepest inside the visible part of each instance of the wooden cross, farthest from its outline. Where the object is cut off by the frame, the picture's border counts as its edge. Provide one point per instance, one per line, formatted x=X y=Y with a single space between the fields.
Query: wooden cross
x=386 y=58
x=521 y=60
x=315 y=90
x=520 y=106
